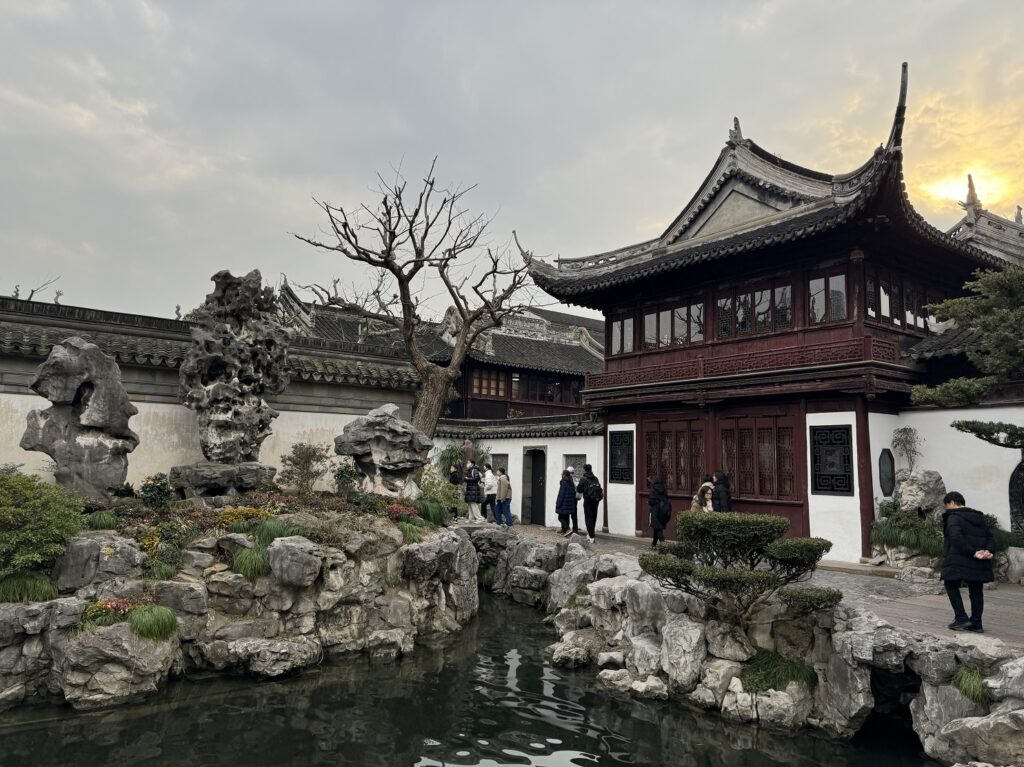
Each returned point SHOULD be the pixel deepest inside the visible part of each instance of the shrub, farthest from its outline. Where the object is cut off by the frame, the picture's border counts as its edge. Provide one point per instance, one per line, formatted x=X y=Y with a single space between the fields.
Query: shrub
x=346 y=478
x=810 y=599
x=733 y=563
x=124 y=490
x=27 y=586
x=156 y=491
x=970 y=682
x=244 y=514
x=36 y=522
x=432 y=511
x=410 y=532
x=304 y=464
x=266 y=530
x=252 y=563
x=436 y=492
x=1002 y=539
x=908 y=531
x=7 y=469
x=907 y=442
x=770 y=671
x=101 y=520
x=153 y=622
x=452 y=453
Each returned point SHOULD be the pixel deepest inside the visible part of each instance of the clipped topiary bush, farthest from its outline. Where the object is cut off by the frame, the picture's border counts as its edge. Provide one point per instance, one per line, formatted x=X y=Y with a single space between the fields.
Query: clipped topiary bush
x=734 y=563
x=153 y=622
x=27 y=587
x=36 y=522
x=810 y=599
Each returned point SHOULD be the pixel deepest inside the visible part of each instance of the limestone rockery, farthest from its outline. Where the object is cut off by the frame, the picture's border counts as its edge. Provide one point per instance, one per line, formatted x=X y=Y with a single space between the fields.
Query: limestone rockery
x=369 y=593
x=654 y=642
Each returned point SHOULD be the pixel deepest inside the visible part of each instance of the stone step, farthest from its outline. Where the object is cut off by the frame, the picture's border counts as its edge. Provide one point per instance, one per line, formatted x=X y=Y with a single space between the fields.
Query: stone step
x=853 y=568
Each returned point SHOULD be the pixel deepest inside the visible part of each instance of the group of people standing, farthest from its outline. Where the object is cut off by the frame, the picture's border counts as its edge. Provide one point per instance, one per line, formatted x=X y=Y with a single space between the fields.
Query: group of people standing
x=570 y=492
x=713 y=495
x=488 y=494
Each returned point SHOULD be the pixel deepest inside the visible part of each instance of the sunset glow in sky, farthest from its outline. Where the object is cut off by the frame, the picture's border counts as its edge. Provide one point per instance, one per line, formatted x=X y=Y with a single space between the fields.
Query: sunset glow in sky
x=146 y=144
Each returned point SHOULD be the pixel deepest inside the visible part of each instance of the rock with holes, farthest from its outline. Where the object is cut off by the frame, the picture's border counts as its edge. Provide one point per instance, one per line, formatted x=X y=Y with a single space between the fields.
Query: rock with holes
x=387 y=451
x=85 y=431
x=295 y=561
x=728 y=642
x=683 y=650
x=274 y=657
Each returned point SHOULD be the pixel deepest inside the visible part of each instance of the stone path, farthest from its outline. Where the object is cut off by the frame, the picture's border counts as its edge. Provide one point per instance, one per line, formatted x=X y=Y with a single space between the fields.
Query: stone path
x=893 y=601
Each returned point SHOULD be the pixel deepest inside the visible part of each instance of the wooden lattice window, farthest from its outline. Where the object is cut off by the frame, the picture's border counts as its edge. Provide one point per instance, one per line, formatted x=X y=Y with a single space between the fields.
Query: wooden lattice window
x=620 y=450
x=758 y=454
x=832 y=460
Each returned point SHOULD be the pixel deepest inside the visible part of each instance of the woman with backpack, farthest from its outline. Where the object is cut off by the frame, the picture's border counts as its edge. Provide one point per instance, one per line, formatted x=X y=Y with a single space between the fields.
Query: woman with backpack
x=565 y=504
x=590 y=488
x=661 y=510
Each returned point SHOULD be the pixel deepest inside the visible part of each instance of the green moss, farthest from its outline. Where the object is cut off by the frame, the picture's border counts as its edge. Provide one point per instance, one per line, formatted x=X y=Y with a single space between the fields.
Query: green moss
x=970 y=682
x=27 y=587
x=770 y=671
x=101 y=520
x=153 y=622
x=252 y=563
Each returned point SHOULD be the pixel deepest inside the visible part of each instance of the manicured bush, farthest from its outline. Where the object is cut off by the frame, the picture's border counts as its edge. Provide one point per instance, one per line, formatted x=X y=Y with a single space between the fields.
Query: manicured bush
x=27 y=587
x=266 y=530
x=101 y=520
x=809 y=599
x=410 y=532
x=156 y=491
x=252 y=563
x=304 y=464
x=36 y=522
x=733 y=563
x=970 y=682
x=153 y=622
x=770 y=671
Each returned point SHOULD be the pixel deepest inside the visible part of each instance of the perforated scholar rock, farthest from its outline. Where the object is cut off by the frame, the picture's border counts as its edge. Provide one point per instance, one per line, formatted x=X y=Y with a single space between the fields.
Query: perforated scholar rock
x=387 y=451
x=239 y=354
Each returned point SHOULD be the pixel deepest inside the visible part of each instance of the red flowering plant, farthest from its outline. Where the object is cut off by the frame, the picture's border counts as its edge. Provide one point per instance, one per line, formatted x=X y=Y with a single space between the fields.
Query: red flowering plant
x=107 y=612
x=399 y=513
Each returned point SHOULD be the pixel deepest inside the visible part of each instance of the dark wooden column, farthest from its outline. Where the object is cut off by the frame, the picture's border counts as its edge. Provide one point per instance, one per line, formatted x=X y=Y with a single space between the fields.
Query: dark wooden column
x=865 y=481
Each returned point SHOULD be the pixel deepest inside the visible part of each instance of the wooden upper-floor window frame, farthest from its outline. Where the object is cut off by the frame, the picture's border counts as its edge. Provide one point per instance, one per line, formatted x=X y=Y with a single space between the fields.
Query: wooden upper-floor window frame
x=894 y=299
x=621 y=337
x=765 y=308
x=678 y=324
x=828 y=297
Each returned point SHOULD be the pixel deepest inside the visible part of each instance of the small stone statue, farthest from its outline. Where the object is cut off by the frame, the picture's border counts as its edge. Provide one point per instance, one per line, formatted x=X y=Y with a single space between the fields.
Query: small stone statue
x=386 y=450
x=86 y=430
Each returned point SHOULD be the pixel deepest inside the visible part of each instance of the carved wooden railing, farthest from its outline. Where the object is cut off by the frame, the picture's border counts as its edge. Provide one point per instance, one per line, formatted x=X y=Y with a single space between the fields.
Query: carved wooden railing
x=856 y=350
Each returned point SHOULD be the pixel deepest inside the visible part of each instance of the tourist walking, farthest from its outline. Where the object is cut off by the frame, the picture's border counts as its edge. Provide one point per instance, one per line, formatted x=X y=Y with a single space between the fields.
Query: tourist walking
x=721 y=496
x=661 y=510
x=966 y=558
x=590 y=488
x=454 y=478
x=565 y=504
x=702 y=500
x=473 y=494
x=503 y=497
x=490 y=492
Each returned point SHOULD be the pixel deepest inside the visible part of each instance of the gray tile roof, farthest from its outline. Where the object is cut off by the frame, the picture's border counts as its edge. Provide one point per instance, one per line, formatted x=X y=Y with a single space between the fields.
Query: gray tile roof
x=575 y=425
x=950 y=343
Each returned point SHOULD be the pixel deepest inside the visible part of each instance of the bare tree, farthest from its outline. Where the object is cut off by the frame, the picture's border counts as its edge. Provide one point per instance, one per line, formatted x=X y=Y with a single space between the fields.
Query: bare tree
x=408 y=238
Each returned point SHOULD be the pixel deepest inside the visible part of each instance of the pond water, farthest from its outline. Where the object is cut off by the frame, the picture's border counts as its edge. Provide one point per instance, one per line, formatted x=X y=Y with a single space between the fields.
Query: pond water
x=488 y=697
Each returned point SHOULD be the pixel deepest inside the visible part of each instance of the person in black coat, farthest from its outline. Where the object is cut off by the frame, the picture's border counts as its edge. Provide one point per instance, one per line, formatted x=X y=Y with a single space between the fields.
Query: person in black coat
x=589 y=487
x=565 y=504
x=721 y=496
x=966 y=558
x=473 y=494
x=661 y=509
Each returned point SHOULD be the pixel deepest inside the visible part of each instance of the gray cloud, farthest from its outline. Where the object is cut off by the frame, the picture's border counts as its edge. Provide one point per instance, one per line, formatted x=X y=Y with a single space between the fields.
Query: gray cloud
x=146 y=145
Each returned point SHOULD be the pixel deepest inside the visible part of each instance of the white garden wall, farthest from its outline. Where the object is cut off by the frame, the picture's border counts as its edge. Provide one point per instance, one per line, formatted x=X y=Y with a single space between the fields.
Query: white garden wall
x=835 y=517
x=620 y=497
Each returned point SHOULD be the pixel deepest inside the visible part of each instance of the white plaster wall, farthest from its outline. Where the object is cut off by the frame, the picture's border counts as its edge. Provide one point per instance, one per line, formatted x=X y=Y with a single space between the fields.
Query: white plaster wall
x=621 y=498
x=168 y=436
x=880 y=429
x=967 y=464
x=835 y=517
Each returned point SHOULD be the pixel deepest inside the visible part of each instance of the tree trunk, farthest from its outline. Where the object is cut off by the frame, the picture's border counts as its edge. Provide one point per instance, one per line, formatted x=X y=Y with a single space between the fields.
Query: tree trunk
x=433 y=390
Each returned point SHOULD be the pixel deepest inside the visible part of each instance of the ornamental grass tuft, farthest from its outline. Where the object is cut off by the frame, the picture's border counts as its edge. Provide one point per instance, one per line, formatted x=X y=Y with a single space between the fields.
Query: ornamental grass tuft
x=27 y=587
x=768 y=670
x=252 y=563
x=410 y=533
x=101 y=520
x=266 y=530
x=153 y=622
x=971 y=684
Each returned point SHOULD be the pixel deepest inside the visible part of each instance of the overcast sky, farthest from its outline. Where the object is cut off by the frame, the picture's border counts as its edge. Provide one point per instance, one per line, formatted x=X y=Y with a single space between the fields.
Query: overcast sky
x=146 y=145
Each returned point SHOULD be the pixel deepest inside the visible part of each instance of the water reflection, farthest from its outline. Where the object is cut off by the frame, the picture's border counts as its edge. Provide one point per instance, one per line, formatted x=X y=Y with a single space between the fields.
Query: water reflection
x=487 y=698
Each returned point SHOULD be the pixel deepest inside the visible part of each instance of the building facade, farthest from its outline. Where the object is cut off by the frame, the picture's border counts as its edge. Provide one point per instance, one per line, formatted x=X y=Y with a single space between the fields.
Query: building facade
x=769 y=333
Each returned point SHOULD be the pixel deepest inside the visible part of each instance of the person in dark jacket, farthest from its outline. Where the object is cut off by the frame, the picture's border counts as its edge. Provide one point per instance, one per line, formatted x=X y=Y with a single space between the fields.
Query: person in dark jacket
x=454 y=478
x=966 y=558
x=721 y=496
x=565 y=504
x=661 y=509
x=589 y=487
x=473 y=493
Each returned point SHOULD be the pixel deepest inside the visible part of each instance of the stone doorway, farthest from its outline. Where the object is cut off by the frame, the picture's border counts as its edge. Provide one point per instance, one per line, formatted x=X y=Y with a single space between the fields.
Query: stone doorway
x=534 y=485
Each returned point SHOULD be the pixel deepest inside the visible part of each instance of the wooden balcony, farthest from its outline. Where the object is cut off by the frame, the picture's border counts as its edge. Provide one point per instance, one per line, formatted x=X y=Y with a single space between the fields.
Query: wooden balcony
x=865 y=349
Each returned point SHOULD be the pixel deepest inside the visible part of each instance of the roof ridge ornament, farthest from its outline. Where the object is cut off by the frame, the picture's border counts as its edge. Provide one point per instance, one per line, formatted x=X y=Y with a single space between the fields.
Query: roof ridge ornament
x=735 y=134
x=896 y=134
x=972 y=206
x=1018 y=218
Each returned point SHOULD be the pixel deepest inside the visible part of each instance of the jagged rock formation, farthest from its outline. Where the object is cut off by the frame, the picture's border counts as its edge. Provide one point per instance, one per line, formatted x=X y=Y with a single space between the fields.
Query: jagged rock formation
x=86 y=430
x=239 y=355
x=387 y=451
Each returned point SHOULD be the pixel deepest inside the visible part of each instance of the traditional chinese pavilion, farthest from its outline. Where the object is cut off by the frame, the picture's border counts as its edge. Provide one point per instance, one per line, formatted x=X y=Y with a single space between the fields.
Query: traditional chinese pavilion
x=766 y=332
